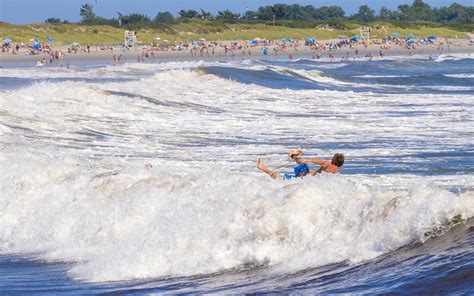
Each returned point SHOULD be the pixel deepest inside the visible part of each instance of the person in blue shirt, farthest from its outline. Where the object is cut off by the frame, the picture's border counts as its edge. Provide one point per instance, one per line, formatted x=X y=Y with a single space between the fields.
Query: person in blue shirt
x=300 y=170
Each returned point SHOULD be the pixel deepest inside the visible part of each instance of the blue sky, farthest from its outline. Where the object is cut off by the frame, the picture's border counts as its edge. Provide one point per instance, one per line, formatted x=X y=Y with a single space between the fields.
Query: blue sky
x=28 y=11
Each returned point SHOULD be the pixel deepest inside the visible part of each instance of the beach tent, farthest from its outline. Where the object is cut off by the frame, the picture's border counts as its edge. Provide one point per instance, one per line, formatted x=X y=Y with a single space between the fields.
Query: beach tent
x=7 y=40
x=395 y=34
x=411 y=35
x=51 y=39
x=432 y=37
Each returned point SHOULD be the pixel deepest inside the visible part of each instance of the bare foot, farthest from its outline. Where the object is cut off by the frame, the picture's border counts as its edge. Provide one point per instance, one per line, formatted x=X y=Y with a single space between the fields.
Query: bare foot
x=260 y=165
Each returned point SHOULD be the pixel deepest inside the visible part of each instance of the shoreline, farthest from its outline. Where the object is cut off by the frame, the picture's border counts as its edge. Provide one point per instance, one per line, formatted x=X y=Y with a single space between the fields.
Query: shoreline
x=349 y=54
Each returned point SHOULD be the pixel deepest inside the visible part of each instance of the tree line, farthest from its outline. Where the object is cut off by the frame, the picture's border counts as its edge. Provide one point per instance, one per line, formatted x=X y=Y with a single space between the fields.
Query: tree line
x=417 y=11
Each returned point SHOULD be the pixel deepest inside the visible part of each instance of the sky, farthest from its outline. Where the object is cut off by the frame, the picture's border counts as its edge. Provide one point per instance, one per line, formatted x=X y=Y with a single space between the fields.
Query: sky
x=29 y=11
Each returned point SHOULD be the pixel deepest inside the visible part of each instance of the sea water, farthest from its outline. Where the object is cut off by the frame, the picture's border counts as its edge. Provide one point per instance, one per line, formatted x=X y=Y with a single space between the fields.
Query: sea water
x=142 y=178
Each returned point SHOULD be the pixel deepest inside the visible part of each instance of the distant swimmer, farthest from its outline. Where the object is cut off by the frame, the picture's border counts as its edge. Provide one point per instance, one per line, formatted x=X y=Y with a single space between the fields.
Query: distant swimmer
x=300 y=170
x=326 y=166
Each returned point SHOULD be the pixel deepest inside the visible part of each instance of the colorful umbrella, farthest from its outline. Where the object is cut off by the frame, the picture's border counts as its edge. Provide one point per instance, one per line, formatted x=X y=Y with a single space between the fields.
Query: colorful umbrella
x=36 y=40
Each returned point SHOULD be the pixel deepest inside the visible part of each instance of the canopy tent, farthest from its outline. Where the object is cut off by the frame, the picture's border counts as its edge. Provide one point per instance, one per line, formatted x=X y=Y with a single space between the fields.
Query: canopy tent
x=7 y=40
x=51 y=39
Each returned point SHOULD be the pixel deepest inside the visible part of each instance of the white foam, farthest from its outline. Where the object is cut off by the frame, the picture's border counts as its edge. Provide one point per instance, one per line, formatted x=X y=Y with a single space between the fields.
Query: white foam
x=463 y=75
x=119 y=221
x=73 y=186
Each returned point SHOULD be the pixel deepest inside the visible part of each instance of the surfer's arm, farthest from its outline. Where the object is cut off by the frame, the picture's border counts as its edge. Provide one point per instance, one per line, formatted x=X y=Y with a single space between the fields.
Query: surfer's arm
x=321 y=162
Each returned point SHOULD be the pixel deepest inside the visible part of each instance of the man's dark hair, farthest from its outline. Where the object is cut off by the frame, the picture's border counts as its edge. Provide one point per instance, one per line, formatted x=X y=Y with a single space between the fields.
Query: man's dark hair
x=338 y=159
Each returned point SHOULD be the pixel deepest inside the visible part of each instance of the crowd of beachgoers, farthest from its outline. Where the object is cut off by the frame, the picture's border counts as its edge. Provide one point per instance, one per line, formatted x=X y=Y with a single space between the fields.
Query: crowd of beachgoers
x=346 y=48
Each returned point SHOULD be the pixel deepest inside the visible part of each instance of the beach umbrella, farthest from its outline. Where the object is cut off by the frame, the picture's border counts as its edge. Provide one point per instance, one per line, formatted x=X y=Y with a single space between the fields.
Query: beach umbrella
x=411 y=35
x=7 y=40
x=411 y=41
x=432 y=37
x=395 y=34
x=35 y=40
x=37 y=46
x=51 y=39
x=355 y=38
x=254 y=41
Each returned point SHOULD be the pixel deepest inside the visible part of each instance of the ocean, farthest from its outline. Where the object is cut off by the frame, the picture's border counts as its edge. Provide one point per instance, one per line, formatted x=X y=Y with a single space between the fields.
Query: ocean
x=142 y=178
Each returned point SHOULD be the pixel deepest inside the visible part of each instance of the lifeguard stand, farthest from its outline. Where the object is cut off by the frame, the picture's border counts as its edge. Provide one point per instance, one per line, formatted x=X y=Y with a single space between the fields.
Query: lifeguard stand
x=130 y=39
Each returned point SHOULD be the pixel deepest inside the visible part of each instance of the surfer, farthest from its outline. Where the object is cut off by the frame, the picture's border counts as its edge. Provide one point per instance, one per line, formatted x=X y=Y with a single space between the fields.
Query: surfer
x=300 y=170
x=326 y=166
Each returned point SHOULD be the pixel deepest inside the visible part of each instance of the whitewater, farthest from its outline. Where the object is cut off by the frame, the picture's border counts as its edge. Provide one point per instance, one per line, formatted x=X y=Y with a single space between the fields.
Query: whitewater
x=142 y=178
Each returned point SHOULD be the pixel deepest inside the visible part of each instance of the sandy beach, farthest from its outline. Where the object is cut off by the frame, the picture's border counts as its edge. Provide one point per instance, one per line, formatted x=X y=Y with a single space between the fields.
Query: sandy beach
x=146 y=54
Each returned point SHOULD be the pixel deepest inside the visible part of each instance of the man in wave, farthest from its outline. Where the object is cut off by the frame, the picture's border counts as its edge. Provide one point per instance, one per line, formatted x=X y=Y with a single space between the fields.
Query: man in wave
x=302 y=168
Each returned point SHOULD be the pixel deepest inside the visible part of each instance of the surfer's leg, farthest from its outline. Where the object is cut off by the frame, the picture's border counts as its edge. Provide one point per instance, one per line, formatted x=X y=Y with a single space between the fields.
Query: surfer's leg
x=261 y=166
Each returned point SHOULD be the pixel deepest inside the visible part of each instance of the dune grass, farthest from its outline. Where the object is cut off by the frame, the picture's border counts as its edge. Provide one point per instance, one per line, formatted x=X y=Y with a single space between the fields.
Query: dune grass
x=195 y=29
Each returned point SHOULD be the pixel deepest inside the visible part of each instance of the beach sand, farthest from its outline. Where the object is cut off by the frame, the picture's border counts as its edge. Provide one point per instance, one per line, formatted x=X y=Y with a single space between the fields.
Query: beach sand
x=107 y=56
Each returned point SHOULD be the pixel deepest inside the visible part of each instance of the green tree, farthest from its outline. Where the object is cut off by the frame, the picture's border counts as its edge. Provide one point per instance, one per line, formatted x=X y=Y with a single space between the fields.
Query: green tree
x=164 y=18
x=204 y=14
x=87 y=14
x=53 y=20
x=187 y=14
x=365 y=14
x=227 y=15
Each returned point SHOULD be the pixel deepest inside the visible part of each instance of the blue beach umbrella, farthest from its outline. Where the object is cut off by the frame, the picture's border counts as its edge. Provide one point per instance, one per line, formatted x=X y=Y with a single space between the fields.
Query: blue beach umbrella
x=432 y=37
x=36 y=46
x=411 y=41
x=7 y=40
x=396 y=34
x=51 y=39
x=355 y=38
x=411 y=35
